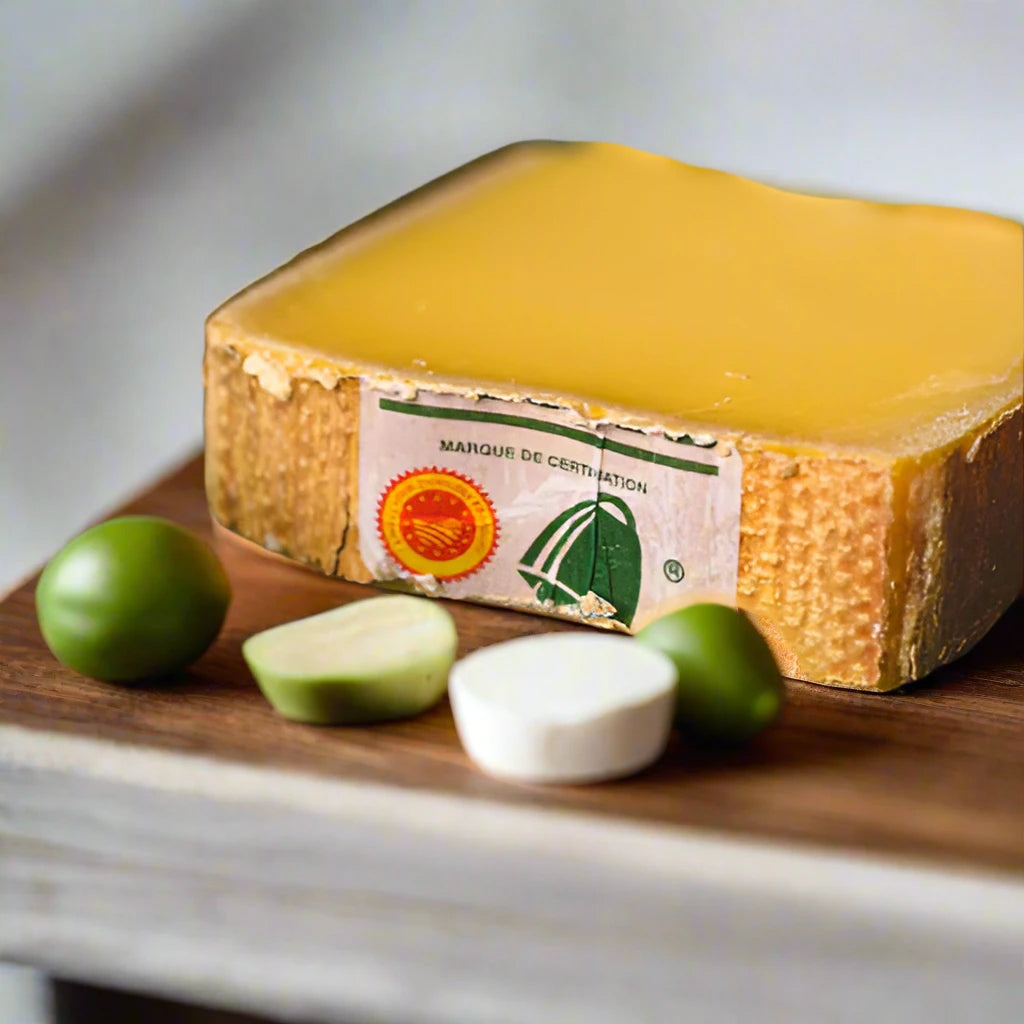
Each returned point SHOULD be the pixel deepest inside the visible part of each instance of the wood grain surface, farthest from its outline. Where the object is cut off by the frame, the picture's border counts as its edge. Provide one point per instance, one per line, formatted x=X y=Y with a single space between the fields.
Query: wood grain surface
x=934 y=772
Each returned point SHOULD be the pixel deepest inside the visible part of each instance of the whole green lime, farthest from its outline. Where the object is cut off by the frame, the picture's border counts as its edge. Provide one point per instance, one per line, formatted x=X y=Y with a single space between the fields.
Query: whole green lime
x=132 y=599
x=729 y=684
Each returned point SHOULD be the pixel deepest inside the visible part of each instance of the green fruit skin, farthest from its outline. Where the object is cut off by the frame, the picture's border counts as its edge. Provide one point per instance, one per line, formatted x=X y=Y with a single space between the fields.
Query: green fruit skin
x=339 y=700
x=132 y=599
x=729 y=686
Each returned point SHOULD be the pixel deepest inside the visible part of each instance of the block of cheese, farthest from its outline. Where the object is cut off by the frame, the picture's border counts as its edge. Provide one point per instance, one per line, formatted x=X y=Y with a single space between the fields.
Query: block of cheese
x=586 y=381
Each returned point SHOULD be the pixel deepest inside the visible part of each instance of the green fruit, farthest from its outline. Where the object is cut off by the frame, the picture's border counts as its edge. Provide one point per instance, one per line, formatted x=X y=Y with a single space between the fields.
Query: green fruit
x=729 y=685
x=368 y=661
x=132 y=599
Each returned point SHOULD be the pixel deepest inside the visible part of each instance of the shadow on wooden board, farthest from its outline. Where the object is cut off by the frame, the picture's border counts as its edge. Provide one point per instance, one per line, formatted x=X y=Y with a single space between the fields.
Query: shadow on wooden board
x=75 y=1003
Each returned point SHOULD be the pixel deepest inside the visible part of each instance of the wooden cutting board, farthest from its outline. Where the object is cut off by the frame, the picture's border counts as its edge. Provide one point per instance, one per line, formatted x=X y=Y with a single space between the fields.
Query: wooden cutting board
x=933 y=772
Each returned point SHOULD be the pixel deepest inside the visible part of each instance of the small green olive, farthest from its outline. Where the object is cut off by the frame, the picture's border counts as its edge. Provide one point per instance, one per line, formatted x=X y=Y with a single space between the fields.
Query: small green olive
x=729 y=685
x=131 y=599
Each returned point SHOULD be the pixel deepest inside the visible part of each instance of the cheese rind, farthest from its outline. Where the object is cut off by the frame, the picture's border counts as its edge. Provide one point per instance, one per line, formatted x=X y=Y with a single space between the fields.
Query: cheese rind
x=851 y=587
x=869 y=555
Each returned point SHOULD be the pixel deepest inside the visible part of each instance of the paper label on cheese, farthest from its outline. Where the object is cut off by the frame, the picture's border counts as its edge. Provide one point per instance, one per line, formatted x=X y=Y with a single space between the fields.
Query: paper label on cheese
x=525 y=504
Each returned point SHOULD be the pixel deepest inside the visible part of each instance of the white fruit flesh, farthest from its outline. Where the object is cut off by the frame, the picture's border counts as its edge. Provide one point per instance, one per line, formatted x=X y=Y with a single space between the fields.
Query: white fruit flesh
x=563 y=707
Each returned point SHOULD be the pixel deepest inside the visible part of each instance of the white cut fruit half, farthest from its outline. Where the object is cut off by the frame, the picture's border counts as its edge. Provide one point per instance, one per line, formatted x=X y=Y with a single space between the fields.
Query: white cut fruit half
x=564 y=707
x=368 y=661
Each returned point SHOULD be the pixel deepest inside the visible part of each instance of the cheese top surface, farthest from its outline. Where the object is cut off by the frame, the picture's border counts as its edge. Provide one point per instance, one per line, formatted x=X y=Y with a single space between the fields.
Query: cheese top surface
x=640 y=283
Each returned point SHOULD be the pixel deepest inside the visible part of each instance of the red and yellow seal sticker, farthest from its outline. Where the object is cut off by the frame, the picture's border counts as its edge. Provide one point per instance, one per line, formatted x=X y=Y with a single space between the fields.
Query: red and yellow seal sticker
x=436 y=522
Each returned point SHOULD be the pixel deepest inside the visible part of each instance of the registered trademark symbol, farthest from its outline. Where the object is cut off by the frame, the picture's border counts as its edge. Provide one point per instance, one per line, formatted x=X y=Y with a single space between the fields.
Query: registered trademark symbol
x=673 y=570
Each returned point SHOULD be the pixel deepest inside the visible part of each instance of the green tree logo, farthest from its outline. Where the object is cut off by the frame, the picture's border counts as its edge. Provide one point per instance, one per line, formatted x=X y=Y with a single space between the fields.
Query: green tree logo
x=592 y=547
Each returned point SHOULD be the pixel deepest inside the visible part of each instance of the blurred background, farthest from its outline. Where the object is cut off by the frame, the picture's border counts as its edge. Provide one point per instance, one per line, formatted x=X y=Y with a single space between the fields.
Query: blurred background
x=156 y=155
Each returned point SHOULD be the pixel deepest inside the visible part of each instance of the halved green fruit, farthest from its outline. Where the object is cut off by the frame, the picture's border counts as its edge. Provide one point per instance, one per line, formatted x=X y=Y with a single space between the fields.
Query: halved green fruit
x=368 y=661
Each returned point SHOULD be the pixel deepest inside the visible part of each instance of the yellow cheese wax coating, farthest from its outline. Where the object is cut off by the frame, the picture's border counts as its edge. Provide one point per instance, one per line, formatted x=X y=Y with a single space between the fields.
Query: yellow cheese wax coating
x=640 y=282
x=864 y=359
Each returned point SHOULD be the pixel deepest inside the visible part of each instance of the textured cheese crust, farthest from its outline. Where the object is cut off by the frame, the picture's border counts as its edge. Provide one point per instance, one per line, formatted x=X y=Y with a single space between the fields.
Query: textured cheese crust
x=863 y=572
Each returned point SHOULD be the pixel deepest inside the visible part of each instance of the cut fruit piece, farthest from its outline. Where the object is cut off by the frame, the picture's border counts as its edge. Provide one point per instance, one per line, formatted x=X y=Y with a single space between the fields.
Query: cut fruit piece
x=564 y=707
x=369 y=661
